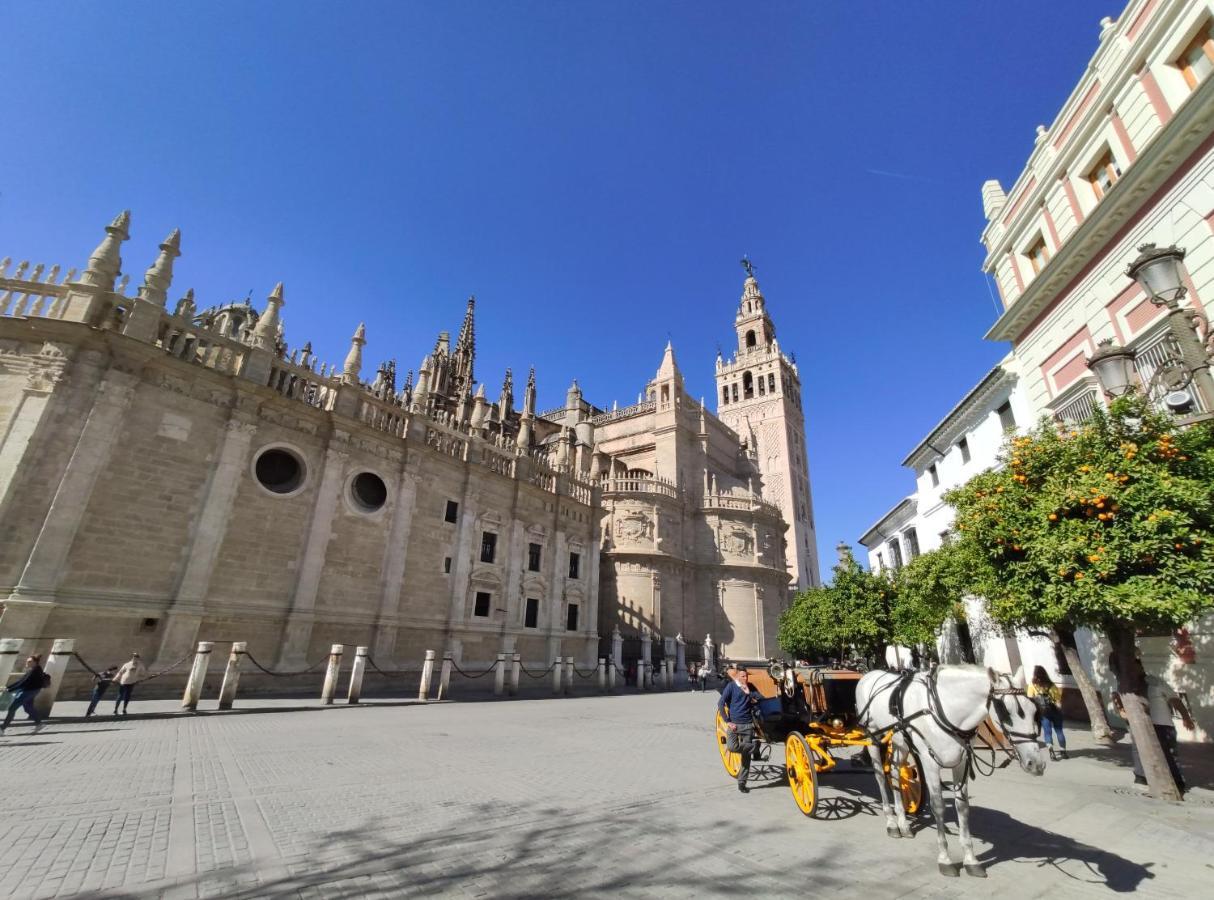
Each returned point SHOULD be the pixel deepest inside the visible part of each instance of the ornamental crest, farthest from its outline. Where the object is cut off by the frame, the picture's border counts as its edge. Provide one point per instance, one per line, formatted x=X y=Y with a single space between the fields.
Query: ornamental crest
x=737 y=542
x=634 y=526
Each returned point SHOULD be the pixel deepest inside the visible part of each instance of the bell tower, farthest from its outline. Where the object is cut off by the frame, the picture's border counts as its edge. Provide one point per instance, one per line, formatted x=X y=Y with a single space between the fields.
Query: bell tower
x=759 y=397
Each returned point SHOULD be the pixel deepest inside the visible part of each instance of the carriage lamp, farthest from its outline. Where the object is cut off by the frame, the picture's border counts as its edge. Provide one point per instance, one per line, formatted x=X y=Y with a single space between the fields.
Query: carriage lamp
x=1158 y=272
x=1113 y=366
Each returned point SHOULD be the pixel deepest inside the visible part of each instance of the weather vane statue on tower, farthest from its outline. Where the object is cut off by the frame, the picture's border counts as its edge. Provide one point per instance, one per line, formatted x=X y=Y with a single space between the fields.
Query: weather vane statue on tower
x=748 y=266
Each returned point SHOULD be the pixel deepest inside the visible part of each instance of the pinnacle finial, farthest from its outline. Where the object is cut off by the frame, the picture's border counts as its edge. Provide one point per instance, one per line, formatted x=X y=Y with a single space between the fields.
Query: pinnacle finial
x=748 y=266
x=269 y=325
x=159 y=275
x=276 y=294
x=105 y=262
x=354 y=359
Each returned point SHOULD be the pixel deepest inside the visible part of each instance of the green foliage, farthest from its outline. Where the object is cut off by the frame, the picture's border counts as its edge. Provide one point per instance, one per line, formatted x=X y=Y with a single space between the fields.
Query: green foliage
x=929 y=588
x=1104 y=524
x=851 y=613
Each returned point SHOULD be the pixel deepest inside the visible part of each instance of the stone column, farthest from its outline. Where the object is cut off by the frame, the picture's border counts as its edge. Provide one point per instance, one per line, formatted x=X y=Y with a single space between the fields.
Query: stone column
x=298 y=632
x=558 y=665
x=709 y=660
x=423 y=688
x=56 y=665
x=198 y=674
x=602 y=674
x=394 y=564
x=331 y=674
x=611 y=674
x=617 y=647
x=499 y=675
x=356 y=675
x=569 y=674
x=47 y=561
x=516 y=665
x=10 y=654
x=646 y=655
x=210 y=527
x=231 y=675
x=444 y=677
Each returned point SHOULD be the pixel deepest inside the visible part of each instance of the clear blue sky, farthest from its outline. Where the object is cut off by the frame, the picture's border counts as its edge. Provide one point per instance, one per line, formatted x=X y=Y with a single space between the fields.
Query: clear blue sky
x=592 y=172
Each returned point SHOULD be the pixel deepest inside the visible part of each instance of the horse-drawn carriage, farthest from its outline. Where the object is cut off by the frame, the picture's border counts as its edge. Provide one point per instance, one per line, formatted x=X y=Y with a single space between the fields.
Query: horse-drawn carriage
x=812 y=711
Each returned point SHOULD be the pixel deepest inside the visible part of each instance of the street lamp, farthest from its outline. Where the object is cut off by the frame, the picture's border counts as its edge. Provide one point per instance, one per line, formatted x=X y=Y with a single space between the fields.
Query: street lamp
x=1160 y=273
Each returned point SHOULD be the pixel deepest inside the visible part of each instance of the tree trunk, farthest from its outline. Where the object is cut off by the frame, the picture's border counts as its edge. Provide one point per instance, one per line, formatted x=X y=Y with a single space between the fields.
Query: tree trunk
x=1133 y=698
x=1091 y=700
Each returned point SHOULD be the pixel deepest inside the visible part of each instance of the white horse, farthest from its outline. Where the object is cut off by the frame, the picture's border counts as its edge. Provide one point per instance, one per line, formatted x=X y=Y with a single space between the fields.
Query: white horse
x=936 y=716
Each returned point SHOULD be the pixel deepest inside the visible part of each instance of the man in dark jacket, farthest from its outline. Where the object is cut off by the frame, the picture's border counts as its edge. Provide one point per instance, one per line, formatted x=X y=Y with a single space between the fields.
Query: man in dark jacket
x=101 y=683
x=737 y=706
x=24 y=692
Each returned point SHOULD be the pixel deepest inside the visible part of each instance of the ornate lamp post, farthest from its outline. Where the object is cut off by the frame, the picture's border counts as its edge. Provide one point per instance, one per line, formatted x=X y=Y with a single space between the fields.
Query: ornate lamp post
x=1160 y=273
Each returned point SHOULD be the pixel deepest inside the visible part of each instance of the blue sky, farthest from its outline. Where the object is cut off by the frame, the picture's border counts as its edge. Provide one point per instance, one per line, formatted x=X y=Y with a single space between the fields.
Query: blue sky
x=592 y=172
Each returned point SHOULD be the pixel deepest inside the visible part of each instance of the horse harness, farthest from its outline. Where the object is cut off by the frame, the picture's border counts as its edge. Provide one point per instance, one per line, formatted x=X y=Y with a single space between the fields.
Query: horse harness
x=935 y=708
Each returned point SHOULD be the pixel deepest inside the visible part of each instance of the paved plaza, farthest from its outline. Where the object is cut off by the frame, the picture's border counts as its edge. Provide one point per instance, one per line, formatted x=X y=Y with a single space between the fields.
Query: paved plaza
x=588 y=796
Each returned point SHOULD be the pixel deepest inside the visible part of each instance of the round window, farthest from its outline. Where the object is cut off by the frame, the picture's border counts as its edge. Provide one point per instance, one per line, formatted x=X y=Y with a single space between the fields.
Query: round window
x=279 y=470
x=369 y=491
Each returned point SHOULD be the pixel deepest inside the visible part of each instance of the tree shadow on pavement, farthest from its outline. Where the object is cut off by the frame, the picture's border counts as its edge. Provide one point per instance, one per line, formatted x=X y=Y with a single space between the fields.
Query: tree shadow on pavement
x=1015 y=841
x=1196 y=761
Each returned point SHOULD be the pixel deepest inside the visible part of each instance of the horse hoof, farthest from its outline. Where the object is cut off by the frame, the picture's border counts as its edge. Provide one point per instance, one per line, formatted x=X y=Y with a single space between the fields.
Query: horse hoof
x=948 y=869
x=975 y=871
x=893 y=832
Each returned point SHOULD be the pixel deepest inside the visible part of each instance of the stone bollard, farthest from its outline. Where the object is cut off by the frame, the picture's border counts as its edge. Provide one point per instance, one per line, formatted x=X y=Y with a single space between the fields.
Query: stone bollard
x=499 y=675
x=668 y=671
x=611 y=674
x=198 y=675
x=10 y=654
x=444 y=677
x=356 y=675
x=331 y=673
x=231 y=675
x=569 y=669
x=516 y=670
x=641 y=677
x=56 y=665
x=602 y=675
x=558 y=675
x=423 y=687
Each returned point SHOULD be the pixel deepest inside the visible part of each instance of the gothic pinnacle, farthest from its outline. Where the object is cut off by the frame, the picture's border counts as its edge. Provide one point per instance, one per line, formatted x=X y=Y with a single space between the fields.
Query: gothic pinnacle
x=105 y=262
x=268 y=325
x=354 y=359
x=159 y=275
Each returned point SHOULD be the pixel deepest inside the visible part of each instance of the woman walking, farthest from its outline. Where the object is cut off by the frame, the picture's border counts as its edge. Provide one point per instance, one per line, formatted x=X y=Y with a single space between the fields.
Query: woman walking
x=24 y=692
x=1048 y=698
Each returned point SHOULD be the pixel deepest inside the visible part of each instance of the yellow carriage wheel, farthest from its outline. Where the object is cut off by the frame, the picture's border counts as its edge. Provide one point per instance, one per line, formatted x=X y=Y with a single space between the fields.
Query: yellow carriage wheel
x=802 y=773
x=731 y=761
x=910 y=783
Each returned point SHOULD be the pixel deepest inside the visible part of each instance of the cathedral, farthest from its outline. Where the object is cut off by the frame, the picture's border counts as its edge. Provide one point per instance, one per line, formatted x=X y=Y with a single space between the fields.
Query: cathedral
x=170 y=474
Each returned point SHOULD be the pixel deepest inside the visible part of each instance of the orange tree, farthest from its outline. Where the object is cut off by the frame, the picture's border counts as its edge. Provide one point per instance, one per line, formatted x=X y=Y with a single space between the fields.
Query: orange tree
x=1108 y=524
x=852 y=614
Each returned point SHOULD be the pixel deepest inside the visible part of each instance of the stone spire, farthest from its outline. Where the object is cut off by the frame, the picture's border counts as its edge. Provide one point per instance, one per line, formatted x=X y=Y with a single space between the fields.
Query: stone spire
x=523 y=440
x=752 y=298
x=703 y=418
x=480 y=408
x=422 y=394
x=266 y=333
x=529 y=394
x=106 y=261
x=505 y=400
x=465 y=348
x=573 y=397
x=159 y=276
x=354 y=359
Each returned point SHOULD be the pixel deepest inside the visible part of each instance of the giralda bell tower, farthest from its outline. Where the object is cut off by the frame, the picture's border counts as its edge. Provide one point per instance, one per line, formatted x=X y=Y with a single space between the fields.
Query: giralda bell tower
x=759 y=397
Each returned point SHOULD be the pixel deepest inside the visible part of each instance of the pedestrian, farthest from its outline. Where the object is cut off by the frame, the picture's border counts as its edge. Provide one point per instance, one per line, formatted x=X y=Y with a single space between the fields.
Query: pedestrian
x=693 y=672
x=101 y=683
x=1047 y=697
x=705 y=671
x=737 y=706
x=24 y=692
x=1162 y=701
x=131 y=673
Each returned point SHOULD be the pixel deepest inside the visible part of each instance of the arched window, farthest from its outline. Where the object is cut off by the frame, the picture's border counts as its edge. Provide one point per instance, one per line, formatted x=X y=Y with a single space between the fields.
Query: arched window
x=725 y=393
x=750 y=338
x=748 y=385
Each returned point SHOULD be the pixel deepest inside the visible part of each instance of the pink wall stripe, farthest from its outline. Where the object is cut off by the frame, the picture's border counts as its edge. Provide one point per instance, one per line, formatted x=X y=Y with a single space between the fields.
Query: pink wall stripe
x=1124 y=136
x=1151 y=87
x=1072 y=199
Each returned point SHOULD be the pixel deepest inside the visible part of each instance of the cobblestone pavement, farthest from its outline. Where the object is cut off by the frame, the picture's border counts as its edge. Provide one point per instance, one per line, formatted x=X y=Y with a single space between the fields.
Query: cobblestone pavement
x=587 y=796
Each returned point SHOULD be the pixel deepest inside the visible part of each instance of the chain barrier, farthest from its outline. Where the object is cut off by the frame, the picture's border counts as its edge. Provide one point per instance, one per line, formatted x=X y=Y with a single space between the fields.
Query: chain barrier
x=80 y=659
x=588 y=675
x=183 y=659
x=530 y=674
x=312 y=668
x=402 y=673
x=455 y=666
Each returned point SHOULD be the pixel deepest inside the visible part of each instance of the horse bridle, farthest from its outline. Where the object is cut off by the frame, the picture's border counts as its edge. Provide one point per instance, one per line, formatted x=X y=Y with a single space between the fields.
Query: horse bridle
x=995 y=700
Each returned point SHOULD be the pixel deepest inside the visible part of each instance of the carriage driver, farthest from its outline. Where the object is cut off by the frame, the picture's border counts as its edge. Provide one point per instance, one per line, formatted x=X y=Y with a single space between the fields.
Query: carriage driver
x=737 y=706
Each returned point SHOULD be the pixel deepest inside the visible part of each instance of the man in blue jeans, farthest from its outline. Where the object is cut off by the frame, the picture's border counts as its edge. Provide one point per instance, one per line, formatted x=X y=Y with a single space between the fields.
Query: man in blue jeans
x=25 y=691
x=737 y=707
